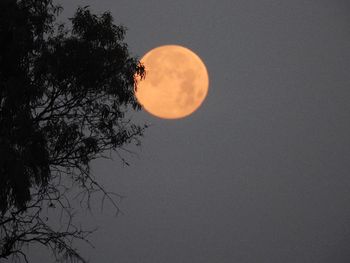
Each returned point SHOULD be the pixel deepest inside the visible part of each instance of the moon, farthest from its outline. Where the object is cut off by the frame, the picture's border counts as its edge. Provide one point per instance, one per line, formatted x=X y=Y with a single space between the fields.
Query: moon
x=176 y=82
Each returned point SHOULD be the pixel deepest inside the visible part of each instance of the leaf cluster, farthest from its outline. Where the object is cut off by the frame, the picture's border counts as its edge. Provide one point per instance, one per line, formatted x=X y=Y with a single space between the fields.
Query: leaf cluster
x=65 y=93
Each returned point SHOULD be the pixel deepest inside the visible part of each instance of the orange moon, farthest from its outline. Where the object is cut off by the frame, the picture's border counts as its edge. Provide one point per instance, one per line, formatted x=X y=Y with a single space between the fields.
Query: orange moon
x=176 y=82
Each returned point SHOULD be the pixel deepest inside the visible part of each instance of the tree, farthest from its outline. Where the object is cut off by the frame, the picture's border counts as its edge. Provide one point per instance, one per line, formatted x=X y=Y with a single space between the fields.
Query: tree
x=64 y=96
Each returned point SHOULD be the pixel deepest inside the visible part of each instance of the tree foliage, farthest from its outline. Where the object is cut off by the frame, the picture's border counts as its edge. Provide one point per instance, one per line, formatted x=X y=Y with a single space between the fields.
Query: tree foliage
x=64 y=96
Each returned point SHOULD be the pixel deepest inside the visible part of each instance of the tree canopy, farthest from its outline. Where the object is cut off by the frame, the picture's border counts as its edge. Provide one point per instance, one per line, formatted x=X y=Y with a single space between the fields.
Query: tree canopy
x=64 y=97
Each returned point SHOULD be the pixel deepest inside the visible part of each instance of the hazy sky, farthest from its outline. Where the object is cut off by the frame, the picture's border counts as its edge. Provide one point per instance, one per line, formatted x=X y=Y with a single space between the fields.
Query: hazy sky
x=260 y=173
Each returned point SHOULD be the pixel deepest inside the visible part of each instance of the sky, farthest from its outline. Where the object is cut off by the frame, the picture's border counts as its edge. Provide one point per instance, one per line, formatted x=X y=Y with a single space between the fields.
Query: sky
x=261 y=172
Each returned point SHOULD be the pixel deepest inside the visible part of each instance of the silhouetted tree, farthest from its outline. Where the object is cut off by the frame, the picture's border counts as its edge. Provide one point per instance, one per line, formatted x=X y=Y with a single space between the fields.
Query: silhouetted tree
x=64 y=95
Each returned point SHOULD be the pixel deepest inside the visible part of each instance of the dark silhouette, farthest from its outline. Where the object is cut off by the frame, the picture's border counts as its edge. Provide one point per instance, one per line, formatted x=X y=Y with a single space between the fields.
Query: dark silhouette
x=64 y=94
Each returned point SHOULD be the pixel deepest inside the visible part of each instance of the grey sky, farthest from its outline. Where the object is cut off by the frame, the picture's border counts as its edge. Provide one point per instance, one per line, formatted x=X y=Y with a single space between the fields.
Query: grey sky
x=260 y=173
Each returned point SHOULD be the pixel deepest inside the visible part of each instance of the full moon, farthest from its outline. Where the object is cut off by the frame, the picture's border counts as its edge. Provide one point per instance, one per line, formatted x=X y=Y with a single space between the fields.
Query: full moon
x=176 y=82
